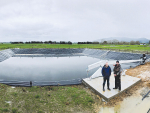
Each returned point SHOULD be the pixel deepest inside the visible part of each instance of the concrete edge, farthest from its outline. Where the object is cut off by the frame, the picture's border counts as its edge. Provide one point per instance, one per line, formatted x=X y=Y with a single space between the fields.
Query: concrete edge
x=86 y=84
x=125 y=89
x=105 y=98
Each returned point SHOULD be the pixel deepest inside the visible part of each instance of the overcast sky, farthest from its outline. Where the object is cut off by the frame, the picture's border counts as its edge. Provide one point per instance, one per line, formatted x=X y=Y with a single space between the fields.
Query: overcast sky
x=73 y=20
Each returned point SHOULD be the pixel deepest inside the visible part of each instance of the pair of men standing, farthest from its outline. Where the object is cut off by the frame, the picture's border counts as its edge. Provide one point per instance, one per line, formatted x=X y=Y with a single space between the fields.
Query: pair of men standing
x=106 y=72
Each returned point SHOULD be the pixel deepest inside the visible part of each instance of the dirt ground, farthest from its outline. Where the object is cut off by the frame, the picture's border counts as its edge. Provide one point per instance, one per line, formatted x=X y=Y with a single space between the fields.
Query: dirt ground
x=142 y=71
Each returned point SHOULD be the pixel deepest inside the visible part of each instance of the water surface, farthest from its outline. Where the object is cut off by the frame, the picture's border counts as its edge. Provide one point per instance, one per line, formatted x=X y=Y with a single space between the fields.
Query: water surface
x=45 y=68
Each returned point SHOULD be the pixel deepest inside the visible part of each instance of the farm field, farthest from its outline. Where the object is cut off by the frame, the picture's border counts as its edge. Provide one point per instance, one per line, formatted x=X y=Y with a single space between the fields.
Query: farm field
x=91 y=46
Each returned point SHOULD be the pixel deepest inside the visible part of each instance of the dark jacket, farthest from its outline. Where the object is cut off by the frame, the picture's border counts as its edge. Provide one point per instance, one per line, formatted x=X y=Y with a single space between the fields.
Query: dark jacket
x=144 y=57
x=106 y=71
x=117 y=69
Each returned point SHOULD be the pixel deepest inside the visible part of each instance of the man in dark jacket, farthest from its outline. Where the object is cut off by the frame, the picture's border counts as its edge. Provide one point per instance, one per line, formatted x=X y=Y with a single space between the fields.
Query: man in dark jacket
x=143 y=58
x=117 y=72
x=106 y=72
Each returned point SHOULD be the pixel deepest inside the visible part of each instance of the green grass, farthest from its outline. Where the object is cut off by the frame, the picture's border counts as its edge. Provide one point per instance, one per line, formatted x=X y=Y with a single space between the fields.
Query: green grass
x=95 y=46
x=58 y=99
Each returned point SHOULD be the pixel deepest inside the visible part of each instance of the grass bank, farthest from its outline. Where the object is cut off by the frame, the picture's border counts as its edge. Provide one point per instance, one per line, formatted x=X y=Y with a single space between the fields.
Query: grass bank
x=50 y=99
x=92 y=46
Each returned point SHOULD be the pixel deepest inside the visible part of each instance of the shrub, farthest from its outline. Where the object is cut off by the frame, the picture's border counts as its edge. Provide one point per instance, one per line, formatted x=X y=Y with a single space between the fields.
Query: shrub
x=4 y=109
x=14 y=110
x=37 y=96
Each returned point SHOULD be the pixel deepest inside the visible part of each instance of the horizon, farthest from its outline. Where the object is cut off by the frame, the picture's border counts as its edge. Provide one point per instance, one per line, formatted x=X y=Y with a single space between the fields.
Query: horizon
x=80 y=41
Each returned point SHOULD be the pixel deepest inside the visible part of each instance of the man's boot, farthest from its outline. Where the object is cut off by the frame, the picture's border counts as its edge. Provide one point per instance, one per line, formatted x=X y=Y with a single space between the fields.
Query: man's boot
x=108 y=87
x=103 y=87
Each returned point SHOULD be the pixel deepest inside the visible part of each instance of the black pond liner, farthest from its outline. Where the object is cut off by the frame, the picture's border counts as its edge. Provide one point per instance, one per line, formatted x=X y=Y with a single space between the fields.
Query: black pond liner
x=111 y=55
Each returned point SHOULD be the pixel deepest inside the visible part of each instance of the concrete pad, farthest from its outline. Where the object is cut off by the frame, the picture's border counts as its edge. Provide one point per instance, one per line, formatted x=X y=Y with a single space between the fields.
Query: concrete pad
x=96 y=85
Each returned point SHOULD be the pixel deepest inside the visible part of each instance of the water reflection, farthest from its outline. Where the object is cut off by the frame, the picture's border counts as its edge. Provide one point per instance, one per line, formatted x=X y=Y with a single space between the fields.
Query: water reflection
x=45 y=69
x=48 y=68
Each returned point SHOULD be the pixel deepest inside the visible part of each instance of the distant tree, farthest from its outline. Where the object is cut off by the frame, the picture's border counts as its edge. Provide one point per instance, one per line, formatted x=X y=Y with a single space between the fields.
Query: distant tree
x=89 y=42
x=36 y=42
x=53 y=42
x=127 y=43
x=82 y=42
x=132 y=43
x=149 y=42
x=69 y=42
x=105 y=42
x=115 y=41
x=95 y=42
x=124 y=43
x=46 y=42
x=17 y=43
x=27 y=42
x=120 y=43
x=102 y=40
x=109 y=42
x=57 y=42
x=137 y=42
x=62 y=42
x=50 y=42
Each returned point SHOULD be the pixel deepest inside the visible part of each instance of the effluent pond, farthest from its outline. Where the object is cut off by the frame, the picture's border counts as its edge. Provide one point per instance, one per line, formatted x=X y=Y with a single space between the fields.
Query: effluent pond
x=45 y=68
x=53 y=66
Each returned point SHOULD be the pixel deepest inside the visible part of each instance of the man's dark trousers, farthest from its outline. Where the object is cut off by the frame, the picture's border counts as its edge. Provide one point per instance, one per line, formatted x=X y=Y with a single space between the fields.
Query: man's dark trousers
x=118 y=82
x=106 y=78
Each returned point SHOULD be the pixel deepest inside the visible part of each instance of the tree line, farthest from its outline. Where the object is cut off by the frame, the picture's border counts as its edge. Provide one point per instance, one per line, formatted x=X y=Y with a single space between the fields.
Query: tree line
x=69 y=42
x=40 y=42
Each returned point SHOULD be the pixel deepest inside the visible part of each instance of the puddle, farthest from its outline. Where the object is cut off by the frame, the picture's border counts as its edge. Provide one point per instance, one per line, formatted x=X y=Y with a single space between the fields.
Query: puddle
x=9 y=102
x=133 y=104
x=10 y=89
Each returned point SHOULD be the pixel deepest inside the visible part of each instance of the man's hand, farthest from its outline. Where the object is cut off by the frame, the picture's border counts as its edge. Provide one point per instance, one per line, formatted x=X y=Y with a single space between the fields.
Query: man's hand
x=114 y=74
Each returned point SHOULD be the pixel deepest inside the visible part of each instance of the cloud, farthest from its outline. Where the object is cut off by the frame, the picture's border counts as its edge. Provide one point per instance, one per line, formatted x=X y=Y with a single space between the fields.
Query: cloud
x=73 y=20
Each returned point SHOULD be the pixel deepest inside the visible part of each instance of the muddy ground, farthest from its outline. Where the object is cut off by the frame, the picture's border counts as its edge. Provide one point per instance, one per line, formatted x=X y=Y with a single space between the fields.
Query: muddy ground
x=143 y=72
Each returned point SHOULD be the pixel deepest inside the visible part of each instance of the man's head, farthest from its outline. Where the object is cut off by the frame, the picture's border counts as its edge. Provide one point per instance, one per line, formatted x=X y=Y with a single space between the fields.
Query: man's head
x=106 y=64
x=117 y=62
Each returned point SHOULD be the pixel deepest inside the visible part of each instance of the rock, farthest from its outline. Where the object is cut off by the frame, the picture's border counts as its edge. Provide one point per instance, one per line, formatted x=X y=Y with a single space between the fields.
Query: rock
x=67 y=103
x=23 y=90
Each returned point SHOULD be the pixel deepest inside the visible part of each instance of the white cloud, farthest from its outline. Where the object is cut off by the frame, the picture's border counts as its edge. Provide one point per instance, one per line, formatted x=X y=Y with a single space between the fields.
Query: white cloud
x=74 y=20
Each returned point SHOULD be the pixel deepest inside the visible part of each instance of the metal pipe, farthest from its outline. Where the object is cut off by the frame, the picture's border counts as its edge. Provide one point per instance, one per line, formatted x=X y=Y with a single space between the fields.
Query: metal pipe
x=145 y=96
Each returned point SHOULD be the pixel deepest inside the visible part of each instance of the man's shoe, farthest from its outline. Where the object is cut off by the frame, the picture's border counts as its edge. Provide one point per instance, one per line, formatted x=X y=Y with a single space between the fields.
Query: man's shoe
x=115 y=88
x=103 y=89
x=109 y=89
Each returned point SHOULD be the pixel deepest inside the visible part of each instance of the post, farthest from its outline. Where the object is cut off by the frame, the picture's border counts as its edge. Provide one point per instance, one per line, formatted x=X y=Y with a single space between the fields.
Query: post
x=30 y=83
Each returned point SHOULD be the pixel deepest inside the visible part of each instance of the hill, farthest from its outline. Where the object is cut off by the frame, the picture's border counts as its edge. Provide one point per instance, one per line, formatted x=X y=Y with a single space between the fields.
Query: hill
x=111 y=39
